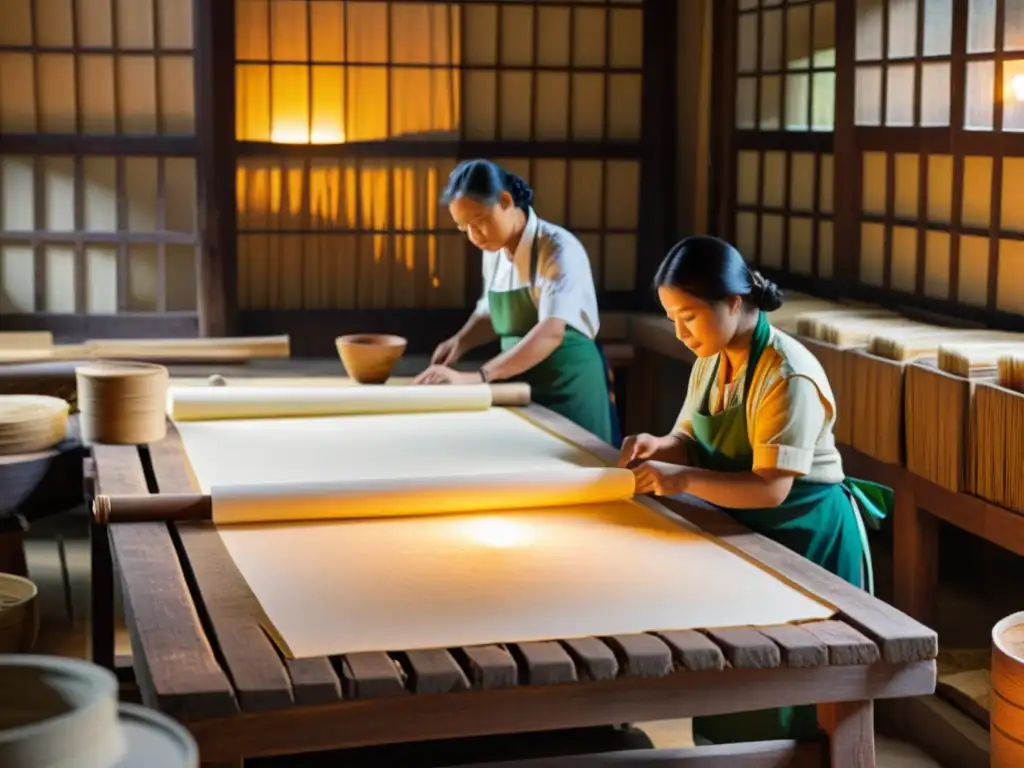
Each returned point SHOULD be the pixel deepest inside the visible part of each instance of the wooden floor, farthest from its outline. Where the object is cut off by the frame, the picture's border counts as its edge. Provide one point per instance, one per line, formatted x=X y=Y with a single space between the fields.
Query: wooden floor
x=64 y=594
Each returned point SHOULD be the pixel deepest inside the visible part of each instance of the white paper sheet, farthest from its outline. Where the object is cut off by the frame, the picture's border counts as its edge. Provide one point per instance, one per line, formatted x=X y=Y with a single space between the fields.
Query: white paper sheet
x=454 y=580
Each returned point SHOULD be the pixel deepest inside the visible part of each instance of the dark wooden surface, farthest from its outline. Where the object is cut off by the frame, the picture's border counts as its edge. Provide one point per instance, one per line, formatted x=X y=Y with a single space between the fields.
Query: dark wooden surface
x=201 y=655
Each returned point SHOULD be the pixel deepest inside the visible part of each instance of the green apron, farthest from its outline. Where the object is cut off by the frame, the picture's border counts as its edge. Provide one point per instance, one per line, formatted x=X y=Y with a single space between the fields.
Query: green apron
x=573 y=380
x=817 y=520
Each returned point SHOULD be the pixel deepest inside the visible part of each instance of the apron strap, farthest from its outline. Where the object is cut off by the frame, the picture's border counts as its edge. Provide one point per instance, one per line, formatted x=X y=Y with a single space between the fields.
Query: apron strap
x=534 y=255
x=867 y=566
x=758 y=342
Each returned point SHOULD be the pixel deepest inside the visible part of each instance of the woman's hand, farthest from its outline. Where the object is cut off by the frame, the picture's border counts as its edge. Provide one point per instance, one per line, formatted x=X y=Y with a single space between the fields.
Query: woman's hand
x=659 y=478
x=442 y=374
x=637 y=448
x=448 y=352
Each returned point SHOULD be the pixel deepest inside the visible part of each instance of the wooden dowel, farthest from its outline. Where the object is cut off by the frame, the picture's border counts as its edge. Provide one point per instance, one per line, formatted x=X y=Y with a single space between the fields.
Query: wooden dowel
x=162 y=508
x=510 y=394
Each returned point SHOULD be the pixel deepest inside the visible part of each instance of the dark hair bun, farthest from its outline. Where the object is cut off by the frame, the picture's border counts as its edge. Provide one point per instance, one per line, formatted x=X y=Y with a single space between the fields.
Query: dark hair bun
x=766 y=294
x=522 y=193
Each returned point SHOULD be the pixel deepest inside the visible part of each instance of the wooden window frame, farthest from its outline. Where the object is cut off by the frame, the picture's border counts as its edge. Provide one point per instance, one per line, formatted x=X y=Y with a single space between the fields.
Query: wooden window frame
x=851 y=141
x=216 y=151
x=38 y=146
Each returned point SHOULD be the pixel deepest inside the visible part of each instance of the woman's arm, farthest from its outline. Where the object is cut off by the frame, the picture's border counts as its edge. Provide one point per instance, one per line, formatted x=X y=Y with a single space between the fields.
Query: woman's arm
x=788 y=420
x=543 y=339
x=739 y=490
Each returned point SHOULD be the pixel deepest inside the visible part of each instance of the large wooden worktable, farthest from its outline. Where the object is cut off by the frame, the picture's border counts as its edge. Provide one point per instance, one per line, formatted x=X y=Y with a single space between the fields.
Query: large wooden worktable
x=201 y=656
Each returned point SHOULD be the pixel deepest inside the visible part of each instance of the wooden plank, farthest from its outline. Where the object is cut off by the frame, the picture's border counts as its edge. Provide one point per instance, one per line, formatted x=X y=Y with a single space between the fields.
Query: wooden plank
x=551 y=707
x=313 y=680
x=747 y=648
x=489 y=666
x=544 y=663
x=693 y=650
x=232 y=612
x=846 y=646
x=175 y=666
x=751 y=754
x=371 y=676
x=642 y=655
x=595 y=659
x=799 y=647
x=435 y=671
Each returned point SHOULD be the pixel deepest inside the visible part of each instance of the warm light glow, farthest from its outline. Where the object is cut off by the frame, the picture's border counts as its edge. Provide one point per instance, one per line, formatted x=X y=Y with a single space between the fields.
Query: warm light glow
x=291 y=134
x=1017 y=85
x=497 y=532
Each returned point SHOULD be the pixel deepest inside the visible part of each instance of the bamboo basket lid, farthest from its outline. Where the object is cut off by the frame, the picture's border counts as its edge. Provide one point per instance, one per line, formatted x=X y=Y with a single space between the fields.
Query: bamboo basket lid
x=972 y=359
x=31 y=423
x=1010 y=370
x=813 y=324
x=122 y=403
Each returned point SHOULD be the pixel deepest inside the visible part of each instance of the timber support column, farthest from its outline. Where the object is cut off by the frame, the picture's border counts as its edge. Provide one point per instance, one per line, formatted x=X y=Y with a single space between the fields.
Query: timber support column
x=216 y=267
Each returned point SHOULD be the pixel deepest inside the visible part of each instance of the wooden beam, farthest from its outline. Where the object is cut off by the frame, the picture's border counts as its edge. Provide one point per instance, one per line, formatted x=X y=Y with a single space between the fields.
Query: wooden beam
x=216 y=266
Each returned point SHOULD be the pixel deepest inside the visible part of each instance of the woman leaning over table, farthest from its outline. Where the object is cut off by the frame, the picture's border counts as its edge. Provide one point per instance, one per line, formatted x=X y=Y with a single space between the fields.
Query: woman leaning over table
x=755 y=439
x=539 y=300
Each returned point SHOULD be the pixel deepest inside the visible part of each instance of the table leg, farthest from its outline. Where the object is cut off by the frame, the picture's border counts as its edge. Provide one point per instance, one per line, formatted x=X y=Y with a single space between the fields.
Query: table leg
x=102 y=597
x=915 y=557
x=850 y=726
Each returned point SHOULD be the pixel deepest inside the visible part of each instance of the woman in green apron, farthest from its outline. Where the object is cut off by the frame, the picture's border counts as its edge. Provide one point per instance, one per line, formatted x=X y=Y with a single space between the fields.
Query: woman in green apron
x=538 y=299
x=754 y=438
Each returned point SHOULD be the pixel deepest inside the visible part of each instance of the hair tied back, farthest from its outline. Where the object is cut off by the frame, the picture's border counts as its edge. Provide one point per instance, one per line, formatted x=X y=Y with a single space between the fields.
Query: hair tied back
x=522 y=193
x=765 y=293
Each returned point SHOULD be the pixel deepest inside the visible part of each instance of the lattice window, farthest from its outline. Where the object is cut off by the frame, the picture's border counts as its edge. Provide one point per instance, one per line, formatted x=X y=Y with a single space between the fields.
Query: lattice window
x=780 y=198
x=785 y=64
x=784 y=210
x=438 y=80
x=995 y=65
x=940 y=212
x=96 y=216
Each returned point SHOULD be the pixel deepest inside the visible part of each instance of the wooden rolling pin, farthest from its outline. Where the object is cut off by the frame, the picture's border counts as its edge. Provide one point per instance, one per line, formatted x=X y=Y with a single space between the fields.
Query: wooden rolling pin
x=161 y=508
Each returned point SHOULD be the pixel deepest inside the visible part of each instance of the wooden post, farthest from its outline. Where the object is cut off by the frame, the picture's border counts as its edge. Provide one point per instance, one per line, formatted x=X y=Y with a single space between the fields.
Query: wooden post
x=915 y=556
x=850 y=726
x=215 y=170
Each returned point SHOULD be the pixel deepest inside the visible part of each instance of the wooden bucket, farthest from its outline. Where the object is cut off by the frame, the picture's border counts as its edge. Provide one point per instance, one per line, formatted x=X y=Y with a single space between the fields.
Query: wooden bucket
x=122 y=403
x=1007 y=699
x=369 y=358
x=19 y=614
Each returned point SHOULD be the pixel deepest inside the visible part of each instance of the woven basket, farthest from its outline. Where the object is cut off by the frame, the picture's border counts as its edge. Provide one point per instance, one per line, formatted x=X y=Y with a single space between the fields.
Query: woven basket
x=19 y=614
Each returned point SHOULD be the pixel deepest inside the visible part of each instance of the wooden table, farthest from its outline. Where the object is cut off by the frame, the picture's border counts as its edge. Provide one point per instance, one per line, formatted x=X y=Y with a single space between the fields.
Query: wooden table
x=200 y=654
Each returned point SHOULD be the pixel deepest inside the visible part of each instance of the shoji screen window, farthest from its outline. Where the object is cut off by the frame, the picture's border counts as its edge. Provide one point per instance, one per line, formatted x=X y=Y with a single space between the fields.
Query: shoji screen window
x=784 y=116
x=566 y=75
x=97 y=176
x=939 y=201
x=404 y=89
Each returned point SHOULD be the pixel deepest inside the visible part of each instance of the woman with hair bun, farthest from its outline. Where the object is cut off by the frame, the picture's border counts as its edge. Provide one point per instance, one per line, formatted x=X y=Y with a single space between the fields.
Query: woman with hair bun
x=539 y=300
x=754 y=438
